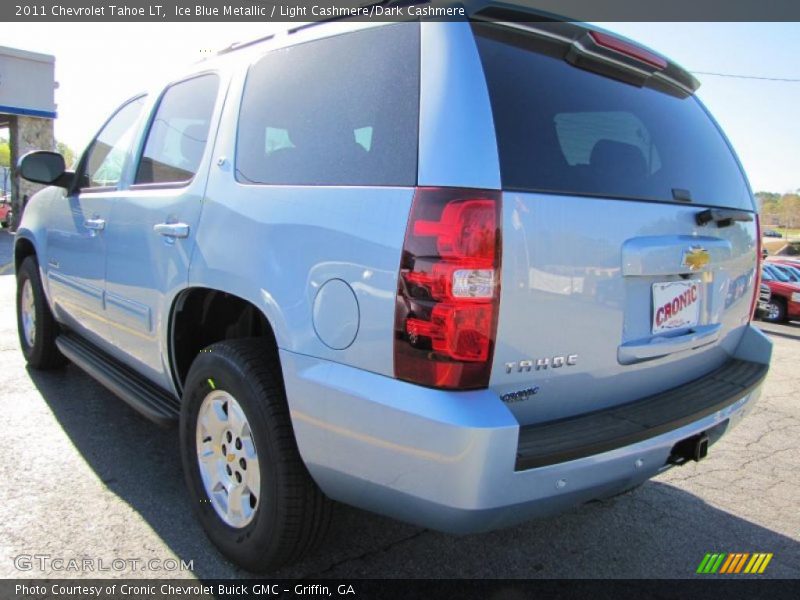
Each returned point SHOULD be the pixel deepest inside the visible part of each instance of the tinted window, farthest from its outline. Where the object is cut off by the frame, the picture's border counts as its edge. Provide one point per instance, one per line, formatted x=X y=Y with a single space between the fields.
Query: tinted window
x=566 y=130
x=179 y=132
x=777 y=274
x=790 y=273
x=106 y=155
x=337 y=111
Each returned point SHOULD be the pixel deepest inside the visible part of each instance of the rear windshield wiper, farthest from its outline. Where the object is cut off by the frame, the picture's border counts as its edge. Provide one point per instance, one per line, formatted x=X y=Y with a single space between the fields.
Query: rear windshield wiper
x=723 y=217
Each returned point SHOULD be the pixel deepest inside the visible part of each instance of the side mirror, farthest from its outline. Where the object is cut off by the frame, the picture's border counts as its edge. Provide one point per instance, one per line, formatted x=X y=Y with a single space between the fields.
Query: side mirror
x=45 y=167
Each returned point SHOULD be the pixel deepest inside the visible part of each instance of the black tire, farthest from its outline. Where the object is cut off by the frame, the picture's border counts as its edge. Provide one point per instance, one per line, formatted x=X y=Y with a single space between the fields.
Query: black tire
x=42 y=354
x=292 y=514
x=776 y=311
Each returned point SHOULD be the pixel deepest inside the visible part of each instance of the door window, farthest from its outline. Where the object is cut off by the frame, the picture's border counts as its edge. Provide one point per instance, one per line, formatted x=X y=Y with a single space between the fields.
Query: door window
x=179 y=132
x=106 y=155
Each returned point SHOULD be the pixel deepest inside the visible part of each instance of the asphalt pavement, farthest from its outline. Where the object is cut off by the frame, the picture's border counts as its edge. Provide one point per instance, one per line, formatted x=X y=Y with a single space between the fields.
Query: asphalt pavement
x=86 y=477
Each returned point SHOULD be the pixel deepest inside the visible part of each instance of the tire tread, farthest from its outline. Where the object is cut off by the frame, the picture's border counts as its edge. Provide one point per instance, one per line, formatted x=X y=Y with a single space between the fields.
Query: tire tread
x=306 y=511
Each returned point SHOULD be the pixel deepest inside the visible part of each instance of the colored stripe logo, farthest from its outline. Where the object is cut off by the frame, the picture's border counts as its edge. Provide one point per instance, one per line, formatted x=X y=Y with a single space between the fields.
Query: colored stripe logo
x=734 y=563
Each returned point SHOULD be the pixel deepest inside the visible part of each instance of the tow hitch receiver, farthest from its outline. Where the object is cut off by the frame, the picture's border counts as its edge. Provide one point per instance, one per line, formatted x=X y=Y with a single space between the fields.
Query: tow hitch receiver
x=694 y=448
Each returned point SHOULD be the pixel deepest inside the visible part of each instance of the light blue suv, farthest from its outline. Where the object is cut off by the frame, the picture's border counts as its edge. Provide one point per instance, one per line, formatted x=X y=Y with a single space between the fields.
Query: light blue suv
x=461 y=274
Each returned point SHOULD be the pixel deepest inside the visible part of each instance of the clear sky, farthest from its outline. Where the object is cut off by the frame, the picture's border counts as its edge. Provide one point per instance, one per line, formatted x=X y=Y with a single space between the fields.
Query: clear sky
x=101 y=64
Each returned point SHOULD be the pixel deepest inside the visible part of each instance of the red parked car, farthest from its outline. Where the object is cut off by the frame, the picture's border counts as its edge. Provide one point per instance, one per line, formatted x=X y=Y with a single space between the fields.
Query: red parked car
x=784 y=303
x=5 y=211
x=786 y=261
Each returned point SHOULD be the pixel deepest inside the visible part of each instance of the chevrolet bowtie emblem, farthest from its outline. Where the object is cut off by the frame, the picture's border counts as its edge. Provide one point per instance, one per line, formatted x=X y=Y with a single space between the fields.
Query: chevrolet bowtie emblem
x=695 y=258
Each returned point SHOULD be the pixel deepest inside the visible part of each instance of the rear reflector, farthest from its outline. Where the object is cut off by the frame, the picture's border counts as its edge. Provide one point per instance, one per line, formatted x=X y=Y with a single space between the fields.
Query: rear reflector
x=448 y=289
x=631 y=50
x=757 y=278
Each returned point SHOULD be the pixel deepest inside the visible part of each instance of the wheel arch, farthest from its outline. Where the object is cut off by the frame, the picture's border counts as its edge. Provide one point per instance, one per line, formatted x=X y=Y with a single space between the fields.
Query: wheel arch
x=23 y=248
x=785 y=301
x=780 y=300
x=200 y=316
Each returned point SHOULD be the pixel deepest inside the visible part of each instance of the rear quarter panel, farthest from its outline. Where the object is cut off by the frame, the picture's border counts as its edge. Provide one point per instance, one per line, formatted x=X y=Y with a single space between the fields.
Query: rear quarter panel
x=276 y=245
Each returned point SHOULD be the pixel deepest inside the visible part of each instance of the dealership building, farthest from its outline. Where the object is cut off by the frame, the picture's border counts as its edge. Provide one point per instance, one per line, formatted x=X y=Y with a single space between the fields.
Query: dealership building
x=27 y=112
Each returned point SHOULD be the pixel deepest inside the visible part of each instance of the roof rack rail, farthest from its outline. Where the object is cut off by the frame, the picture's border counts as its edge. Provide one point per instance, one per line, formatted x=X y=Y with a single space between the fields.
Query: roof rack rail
x=239 y=45
x=335 y=18
x=364 y=5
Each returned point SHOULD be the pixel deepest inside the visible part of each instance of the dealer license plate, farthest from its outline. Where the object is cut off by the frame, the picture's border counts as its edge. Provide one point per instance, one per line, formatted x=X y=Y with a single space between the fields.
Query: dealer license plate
x=676 y=305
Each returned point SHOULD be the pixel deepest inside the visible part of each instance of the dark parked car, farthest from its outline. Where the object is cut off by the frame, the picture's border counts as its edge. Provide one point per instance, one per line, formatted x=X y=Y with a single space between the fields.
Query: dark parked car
x=771 y=233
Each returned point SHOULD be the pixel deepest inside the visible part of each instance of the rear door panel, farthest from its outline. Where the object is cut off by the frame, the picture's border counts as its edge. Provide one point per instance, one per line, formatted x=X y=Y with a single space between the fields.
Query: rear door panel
x=577 y=280
x=610 y=289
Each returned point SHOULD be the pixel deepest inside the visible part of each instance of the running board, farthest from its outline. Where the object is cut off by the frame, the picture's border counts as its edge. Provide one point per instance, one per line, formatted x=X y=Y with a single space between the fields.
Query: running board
x=151 y=401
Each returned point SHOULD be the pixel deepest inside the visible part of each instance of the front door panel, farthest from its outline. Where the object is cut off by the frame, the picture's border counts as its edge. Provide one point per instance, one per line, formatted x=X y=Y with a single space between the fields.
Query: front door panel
x=152 y=228
x=76 y=251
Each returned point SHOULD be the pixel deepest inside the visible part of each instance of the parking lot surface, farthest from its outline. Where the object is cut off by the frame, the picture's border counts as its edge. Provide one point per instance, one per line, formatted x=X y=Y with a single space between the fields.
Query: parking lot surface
x=86 y=477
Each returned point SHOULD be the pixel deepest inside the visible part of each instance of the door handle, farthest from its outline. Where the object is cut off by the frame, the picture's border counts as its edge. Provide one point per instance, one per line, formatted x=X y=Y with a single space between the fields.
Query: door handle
x=722 y=217
x=95 y=224
x=172 y=230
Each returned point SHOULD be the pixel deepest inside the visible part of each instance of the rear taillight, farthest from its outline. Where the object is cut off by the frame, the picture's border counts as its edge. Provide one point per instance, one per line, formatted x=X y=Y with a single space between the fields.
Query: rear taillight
x=757 y=278
x=448 y=289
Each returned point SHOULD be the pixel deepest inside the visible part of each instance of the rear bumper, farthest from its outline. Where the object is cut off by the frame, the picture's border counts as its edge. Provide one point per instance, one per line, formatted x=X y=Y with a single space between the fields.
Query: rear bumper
x=459 y=462
x=594 y=433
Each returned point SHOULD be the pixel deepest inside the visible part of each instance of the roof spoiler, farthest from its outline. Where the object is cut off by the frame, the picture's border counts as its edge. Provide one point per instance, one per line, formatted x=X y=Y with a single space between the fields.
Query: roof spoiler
x=586 y=47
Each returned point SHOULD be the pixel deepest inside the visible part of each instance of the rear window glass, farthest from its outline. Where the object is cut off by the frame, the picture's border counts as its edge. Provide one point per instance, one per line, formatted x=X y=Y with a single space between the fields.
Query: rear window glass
x=337 y=111
x=567 y=130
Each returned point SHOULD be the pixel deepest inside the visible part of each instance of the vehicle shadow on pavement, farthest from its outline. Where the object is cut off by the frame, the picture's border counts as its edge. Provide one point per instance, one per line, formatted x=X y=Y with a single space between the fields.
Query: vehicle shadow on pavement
x=658 y=530
x=789 y=329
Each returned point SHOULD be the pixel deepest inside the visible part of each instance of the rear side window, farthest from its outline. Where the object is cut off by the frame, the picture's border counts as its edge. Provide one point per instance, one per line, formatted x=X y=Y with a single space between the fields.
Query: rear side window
x=179 y=132
x=337 y=111
x=562 y=129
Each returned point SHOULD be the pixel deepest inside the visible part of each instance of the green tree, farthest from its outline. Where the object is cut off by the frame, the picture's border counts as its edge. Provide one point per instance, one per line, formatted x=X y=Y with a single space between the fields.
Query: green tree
x=769 y=207
x=67 y=152
x=5 y=163
x=790 y=210
x=5 y=153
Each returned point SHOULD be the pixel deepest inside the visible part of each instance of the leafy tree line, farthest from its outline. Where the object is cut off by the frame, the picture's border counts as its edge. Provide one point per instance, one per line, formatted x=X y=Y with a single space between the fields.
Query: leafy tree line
x=5 y=163
x=62 y=148
x=5 y=157
x=780 y=210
